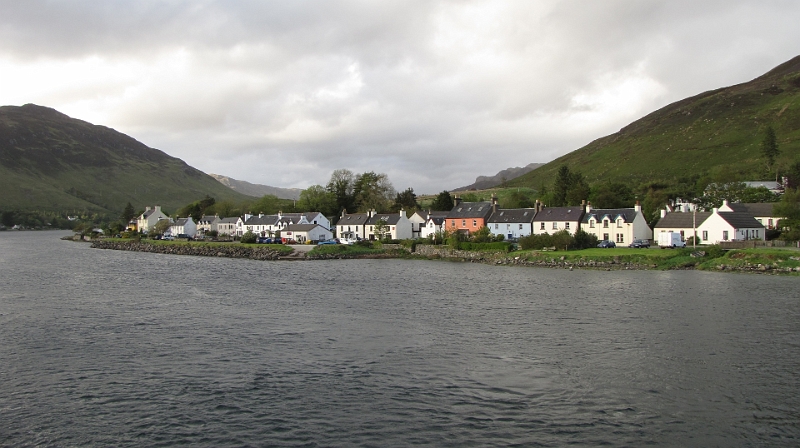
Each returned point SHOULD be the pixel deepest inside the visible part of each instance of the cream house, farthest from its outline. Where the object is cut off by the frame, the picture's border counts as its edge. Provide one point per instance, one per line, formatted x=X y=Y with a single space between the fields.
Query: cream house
x=620 y=225
x=148 y=219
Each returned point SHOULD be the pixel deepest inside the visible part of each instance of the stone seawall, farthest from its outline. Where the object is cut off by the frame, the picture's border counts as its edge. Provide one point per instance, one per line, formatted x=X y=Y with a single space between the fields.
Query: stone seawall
x=232 y=251
x=427 y=250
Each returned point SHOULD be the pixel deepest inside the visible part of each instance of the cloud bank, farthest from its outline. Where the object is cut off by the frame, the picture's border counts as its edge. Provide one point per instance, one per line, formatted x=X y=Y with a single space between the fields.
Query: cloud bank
x=433 y=93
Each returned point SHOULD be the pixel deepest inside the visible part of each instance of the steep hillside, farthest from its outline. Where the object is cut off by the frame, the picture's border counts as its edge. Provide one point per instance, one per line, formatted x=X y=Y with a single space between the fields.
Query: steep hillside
x=257 y=190
x=715 y=133
x=484 y=182
x=49 y=161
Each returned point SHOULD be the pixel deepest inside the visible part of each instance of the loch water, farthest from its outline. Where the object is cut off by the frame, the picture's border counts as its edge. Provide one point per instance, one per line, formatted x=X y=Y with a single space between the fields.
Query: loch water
x=111 y=348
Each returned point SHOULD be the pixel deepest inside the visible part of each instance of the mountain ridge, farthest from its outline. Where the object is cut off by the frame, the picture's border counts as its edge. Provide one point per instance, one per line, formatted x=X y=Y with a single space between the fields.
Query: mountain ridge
x=50 y=161
x=485 y=182
x=257 y=190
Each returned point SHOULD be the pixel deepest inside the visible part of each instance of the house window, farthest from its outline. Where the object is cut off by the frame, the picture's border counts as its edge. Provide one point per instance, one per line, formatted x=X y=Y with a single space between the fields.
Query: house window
x=508 y=226
x=591 y=223
x=620 y=238
x=555 y=226
x=497 y=226
x=566 y=225
x=769 y=223
x=463 y=223
x=756 y=234
x=605 y=223
x=705 y=235
x=474 y=223
x=520 y=227
x=619 y=223
x=453 y=223
x=725 y=235
x=541 y=227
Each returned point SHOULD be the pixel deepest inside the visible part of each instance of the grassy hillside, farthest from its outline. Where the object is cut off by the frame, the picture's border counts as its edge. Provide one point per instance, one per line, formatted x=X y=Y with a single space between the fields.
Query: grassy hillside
x=49 y=161
x=716 y=134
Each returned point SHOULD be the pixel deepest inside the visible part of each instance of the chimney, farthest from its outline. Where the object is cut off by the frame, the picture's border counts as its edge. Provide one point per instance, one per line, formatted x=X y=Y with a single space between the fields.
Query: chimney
x=494 y=203
x=158 y=208
x=402 y=213
x=638 y=207
x=663 y=212
x=456 y=201
x=147 y=209
x=715 y=210
x=260 y=215
x=588 y=207
x=247 y=216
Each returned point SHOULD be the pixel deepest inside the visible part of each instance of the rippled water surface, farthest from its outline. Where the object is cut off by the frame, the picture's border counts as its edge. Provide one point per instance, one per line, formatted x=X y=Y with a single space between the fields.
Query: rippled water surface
x=109 y=348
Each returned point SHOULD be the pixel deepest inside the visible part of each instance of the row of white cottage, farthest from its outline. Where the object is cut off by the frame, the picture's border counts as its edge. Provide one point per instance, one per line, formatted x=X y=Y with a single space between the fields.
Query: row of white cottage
x=730 y=222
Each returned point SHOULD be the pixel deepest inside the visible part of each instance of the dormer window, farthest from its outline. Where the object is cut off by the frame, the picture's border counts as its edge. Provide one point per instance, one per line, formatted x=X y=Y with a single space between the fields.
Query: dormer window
x=605 y=223
x=591 y=223
x=619 y=223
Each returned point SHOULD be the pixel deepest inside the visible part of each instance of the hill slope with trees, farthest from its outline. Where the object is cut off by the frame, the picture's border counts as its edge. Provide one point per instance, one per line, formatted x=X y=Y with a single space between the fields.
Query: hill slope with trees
x=716 y=136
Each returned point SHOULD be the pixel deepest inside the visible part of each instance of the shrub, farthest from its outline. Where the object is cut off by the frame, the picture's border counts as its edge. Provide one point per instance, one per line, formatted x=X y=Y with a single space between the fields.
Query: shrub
x=584 y=240
x=249 y=238
x=498 y=246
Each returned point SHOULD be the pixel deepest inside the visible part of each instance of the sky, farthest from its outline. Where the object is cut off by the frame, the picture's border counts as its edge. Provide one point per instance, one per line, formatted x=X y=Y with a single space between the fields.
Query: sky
x=432 y=93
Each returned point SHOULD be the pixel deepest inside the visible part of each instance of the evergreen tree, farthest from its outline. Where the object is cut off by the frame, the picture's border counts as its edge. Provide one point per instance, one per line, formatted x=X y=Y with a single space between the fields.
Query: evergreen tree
x=127 y=214
x=769 y=146
x=443 y=202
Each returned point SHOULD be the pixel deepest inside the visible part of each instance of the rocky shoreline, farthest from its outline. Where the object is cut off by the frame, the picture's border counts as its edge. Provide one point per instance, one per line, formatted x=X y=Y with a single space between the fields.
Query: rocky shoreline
x=232 y=251
x=496 y=258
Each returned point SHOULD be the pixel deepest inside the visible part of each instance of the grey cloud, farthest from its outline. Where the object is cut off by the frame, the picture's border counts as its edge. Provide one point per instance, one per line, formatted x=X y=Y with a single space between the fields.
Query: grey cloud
x=432 y=93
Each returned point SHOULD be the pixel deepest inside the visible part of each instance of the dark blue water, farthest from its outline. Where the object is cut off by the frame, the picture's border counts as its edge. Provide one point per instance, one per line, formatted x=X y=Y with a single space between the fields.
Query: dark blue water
x=106 y=348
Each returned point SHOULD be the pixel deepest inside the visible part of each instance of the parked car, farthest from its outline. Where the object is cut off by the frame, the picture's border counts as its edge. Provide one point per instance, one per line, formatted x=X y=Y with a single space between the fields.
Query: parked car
x=638 y=244
x=606 y=244
x=322 y=243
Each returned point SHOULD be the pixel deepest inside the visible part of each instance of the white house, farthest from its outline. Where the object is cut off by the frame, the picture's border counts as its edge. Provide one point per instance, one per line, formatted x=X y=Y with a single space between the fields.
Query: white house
x=418 y=219
x=434 y=223
x=183 y=226
x=206 y=223
x=306 y=232
x=146 y=221
x=762 y=212
x=685 y=223
x=226 y=226
x=398 y=225
x=730 y=226
x=620 y=225
x=352 y=225
x=512 y=223
x=555 y=219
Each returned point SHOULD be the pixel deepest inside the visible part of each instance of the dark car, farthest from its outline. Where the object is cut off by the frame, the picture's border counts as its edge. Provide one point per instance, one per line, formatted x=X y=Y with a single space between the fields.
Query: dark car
x=606 y=244
x=638 y=244
x=322 y=243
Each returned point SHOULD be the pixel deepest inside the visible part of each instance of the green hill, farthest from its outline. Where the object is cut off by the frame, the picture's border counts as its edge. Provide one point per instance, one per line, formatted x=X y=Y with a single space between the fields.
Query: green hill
x=51 y=162
x=716 y=134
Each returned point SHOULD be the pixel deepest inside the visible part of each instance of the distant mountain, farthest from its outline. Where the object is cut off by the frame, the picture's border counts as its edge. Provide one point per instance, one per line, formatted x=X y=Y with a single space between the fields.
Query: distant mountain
x=51 y=162
x=257 y=189
x=484 y=182
x=717 y=132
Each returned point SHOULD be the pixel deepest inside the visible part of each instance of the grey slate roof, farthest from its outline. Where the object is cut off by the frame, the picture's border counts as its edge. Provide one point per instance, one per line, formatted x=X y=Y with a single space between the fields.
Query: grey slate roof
x=679 y=220
x=512 y=215
x=573 y=214
x=302 y=227
x=627 y=214
x=390 y=219
x=231 y=220
x=355 y=219
x=438 y=220
x=739 y=220
x=181 y=221
x=266 y=220
x=471 y=210
x=755 y=209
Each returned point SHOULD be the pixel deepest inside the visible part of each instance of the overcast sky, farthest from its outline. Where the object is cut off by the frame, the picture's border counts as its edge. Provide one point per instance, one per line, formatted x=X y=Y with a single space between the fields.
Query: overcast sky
x=432 y=93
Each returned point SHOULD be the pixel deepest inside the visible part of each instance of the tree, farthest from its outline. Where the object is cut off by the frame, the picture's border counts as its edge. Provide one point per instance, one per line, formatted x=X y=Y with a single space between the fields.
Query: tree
x=317 y=199
x=482 y=235
x=161 y=226
x=769 y=146
x=561 y=186
x=613 y=195
x=341 y=187
x=578 y=191
x=127 y=214
x=373 y=191
x=443 y=202
x=793 y=175
x=267 y=204
x=789 y=209
x=406 y=200
x=518 y=199
x=381 y=229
